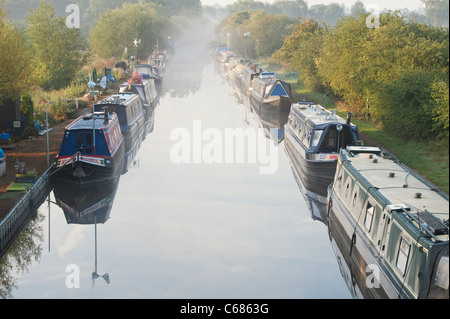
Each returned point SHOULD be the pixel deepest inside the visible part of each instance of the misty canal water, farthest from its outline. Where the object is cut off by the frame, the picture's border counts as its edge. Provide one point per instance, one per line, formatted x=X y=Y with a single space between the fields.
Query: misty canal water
x=184 y=230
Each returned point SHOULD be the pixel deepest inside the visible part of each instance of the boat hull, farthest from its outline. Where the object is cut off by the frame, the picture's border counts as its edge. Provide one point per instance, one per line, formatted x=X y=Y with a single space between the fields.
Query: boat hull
x=316 y=175
x=79 y=172
x=361 y=256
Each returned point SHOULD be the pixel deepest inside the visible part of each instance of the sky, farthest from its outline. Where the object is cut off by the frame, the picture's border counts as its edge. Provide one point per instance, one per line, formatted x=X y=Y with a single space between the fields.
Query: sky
x=382 y=4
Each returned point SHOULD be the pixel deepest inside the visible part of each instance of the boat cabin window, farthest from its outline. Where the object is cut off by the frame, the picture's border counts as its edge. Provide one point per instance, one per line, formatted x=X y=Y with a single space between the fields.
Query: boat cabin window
x=334 y=139
x=369 y=216
x=85 y=142
x=80 y=141
x=89 y=143
x=403 y=255
x=317 y=135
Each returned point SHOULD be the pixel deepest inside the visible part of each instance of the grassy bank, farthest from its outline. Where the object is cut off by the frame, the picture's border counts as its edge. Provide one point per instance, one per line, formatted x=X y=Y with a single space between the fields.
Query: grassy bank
x=430 y=158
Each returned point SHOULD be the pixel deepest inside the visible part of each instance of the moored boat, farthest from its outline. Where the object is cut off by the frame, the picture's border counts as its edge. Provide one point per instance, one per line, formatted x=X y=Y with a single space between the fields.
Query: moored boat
x=391 y=223
x=314 y=137
x=92 y=149
x=131 y=115
x=251 y=71
x=236 y=71
x=148 y=70
x=223 y=59
x=269 y=90
x=145 y=88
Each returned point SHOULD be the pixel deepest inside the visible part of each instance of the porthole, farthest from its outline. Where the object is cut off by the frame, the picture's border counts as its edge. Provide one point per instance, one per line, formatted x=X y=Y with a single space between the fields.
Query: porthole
x=355 y=199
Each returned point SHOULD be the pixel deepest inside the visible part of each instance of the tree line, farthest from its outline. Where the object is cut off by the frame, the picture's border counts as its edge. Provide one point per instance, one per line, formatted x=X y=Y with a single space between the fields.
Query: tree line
x=394 y=71
x=397 y=74
x=434 y=12
x=37 y=48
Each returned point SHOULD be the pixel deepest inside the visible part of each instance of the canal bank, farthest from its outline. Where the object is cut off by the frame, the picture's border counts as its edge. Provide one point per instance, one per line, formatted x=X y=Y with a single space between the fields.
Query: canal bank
x=32 y=152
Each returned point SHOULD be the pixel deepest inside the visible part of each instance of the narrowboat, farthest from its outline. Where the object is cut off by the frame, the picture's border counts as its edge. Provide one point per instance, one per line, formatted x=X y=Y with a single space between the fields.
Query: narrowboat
x=148 y=70
x=314 y=137
x=251 y=71
x=236 y=71
x=146 y=89
x=223 y=59
x=131 y=115
x=269 y=90
x=392 y=224
x=92 y=149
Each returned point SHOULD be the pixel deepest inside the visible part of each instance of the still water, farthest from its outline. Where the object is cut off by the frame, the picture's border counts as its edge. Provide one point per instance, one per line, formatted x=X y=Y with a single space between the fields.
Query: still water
x=184 y=230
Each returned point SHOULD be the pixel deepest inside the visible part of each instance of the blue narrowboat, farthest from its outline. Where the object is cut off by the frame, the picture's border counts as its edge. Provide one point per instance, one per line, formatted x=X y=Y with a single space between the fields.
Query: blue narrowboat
x=131 y=114
x=92 y=149
x=146 y=90
x=150 y=71
x=269 y=90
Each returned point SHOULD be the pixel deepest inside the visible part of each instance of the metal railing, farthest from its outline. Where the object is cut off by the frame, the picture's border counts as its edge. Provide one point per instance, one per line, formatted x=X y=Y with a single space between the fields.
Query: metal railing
x=17 y=218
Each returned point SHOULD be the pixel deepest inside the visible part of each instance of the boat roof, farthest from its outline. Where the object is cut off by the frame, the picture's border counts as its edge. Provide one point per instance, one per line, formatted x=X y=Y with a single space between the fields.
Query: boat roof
x=396 y=182
x=317 y=114
x=84 y=122
x=119 y=99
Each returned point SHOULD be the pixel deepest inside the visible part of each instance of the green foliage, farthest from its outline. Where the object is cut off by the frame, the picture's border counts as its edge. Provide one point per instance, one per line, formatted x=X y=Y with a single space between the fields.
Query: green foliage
x=27 y=109
x=302 y=49
x=15 y=58
x=57 y=50
x=440 y=106
x=267 y=32
x=357 y=62
x=342 y=62
x=405 y=102
x=117 y=29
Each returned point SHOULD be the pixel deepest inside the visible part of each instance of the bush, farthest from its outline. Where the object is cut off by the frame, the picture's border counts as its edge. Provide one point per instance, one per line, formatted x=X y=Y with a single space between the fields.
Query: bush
x=404 y=105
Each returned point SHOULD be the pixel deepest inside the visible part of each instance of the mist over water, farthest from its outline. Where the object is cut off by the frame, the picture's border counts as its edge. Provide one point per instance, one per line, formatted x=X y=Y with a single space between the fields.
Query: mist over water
x=190 y=230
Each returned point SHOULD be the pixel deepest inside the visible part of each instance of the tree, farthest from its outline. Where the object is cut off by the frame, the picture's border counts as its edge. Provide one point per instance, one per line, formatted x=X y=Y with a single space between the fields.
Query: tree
x=267 y=31
x=15 y=59
x=437 y=12
x=342 y=61
x=291 y=8
x=440 y=106
x=302 y=49
x=27 y=109
x=269 y=36
x=117 y=29
x=243 y=5
x=57 y=50
x=407 y=99
x=358 y=8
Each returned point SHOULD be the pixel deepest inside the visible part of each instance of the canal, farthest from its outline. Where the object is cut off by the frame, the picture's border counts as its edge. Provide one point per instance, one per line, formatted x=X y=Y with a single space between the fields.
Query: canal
x=186 y=220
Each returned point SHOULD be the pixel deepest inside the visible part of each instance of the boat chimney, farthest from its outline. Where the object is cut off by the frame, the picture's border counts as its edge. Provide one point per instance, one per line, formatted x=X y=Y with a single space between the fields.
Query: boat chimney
x=349 y=118
x=105 y=112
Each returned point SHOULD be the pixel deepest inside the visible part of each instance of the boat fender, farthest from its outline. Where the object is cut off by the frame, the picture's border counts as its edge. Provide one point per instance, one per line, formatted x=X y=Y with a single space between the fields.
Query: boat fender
x=79 y=172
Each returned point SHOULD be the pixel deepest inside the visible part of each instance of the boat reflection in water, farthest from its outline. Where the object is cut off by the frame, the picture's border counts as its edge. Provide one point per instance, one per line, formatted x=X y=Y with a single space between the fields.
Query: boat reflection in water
x=312 y=191
x=87 y=205
x=270 y=120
